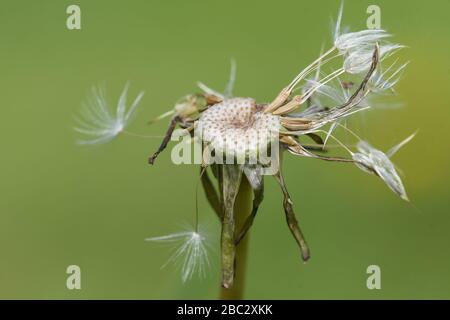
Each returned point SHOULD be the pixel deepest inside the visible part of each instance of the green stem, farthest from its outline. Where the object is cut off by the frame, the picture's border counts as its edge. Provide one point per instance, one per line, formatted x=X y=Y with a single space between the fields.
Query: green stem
x=242 y=208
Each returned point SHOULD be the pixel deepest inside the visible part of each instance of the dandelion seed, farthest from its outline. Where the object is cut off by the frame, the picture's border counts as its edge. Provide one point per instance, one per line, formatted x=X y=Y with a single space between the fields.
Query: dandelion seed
x=386 y=80
x=330 y=131
x=354 y=41
x=97 y=122
x=190 y=252
x=359 y=61
x=337 y=27
x=372 y=160
x=347 y=42
x=357 y=47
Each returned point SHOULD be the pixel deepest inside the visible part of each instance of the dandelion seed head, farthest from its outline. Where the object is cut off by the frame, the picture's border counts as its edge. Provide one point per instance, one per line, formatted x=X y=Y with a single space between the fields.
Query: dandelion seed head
x=355 y=41
x=237 y=126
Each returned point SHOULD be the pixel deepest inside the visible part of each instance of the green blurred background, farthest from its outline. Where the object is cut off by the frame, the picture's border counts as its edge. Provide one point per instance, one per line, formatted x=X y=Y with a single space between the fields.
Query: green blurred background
x=62 y=204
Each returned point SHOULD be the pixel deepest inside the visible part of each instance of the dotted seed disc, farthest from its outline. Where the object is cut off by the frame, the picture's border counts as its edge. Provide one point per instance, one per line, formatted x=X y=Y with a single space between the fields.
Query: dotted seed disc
x=237 y=126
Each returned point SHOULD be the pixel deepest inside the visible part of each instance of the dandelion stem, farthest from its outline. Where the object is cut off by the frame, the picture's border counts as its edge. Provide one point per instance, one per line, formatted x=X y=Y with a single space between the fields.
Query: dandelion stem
x=211 y=194
x=242 y=208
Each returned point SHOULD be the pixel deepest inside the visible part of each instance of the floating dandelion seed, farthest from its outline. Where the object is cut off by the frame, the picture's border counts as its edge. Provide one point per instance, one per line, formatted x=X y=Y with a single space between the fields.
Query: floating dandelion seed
x=98 y=123
x=190 y=251
x=190 y=247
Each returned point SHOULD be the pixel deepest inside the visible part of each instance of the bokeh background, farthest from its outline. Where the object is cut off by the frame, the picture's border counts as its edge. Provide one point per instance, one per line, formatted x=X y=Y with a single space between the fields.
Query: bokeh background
x=62 y=204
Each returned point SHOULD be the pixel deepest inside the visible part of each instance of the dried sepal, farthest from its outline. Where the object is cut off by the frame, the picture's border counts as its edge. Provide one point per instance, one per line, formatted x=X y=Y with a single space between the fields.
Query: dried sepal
x=254 y=174
x=211 y=193
x=291 y=219
x=255 y=177
x=173 y=123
